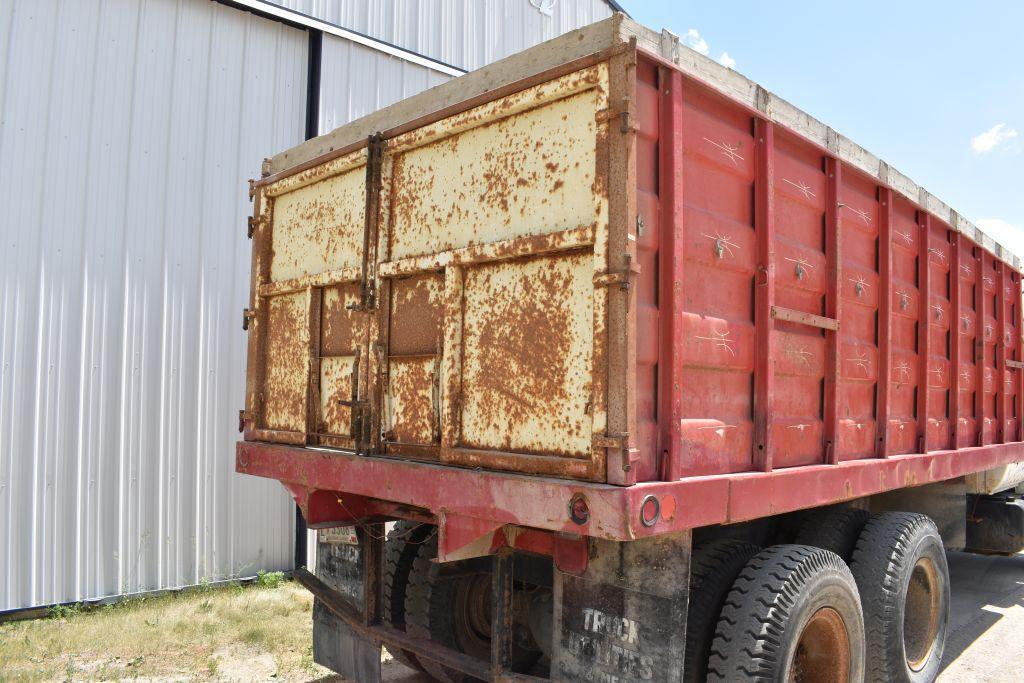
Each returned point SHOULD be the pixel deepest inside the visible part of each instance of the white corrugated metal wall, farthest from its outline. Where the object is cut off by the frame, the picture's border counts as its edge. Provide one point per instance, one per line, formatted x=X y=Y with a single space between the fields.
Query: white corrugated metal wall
x=356 y=80
x=464 y=33
x=128 y=129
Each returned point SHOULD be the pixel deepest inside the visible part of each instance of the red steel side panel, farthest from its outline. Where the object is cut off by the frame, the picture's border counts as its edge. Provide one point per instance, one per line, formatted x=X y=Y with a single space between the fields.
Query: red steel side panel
x=903 y=378
x=985 y=360
x=1011 y=337
x=781 y=243
x=859 y=287
x=718 y=248
x=801 y=281
x=967 y=323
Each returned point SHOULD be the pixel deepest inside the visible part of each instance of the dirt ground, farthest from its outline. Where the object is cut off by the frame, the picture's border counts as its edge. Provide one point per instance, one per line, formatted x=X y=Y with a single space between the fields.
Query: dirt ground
x=262 y=633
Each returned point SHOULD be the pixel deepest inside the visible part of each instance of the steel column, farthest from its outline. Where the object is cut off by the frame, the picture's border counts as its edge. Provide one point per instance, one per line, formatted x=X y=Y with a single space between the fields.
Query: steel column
x=980 y=404
x=670 y=194
x=502 y=614
x=924 y=290
x=764 y=292
x=955 y=333
x=882 y=448
x=1000 y=350
x=833 y=259
x=1019 y=346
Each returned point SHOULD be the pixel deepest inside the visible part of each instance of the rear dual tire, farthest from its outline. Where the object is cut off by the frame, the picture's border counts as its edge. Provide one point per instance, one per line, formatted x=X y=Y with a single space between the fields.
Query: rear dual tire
x=900 y=567
x=400 y=551
x=793 y=614
x=713 y=569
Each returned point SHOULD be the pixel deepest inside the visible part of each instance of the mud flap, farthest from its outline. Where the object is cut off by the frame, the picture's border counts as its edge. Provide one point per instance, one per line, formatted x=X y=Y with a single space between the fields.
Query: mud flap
x=624 y=619
x=341 y=565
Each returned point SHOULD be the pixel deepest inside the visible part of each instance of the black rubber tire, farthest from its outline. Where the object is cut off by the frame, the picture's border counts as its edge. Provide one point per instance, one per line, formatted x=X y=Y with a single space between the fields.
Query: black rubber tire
x=713 y=568
x=429 y=609
x=773 y=598
x=400 y=551
x=835 y=529
x=884 y=562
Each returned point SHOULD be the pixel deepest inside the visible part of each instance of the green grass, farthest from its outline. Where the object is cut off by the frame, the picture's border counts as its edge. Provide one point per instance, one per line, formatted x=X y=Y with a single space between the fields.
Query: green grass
x=257 y=632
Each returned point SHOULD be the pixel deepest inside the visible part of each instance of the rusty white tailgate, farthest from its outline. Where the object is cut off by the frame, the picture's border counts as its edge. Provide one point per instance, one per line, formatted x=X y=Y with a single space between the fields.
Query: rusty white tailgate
x=482 y=340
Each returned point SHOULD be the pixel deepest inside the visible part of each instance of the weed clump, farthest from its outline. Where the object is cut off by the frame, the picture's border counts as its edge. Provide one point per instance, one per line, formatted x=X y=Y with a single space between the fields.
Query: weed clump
x=266 y=579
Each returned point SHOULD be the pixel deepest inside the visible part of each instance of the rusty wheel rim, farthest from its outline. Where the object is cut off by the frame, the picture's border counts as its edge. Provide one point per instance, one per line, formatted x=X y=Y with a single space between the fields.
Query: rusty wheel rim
x=921 y=614
x=822 y=650
x=473 y=615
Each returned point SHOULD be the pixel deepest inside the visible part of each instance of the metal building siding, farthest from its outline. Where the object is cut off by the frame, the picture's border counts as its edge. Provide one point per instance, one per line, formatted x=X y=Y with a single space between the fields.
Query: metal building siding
x=356 y=80
x=127 y=129
x=465 y=33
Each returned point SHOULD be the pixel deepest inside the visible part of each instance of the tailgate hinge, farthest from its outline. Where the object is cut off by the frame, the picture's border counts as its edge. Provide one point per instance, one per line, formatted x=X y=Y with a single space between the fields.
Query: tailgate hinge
x=624 y=116
x=252 y=224
x=243 y=416
x=622 y=278
x=247 y=315
x=618 y=442
x=374 y=164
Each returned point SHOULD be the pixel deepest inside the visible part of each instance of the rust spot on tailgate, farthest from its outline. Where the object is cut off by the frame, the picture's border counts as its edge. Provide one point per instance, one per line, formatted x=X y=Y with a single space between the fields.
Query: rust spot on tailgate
x=342 y=329
x=416 y=314
x=528 y=331
x=287 y=362
x=335 y=386
x=319 y=227
x=413 y=400
x=472 y=179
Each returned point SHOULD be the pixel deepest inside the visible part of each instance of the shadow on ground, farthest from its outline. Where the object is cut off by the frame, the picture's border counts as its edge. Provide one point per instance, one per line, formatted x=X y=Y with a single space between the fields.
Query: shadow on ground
x=986 y=618
x=986 y=624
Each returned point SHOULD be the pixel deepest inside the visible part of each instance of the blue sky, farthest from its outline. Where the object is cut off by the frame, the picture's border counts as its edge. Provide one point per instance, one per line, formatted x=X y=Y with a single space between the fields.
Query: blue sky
x=934 y=88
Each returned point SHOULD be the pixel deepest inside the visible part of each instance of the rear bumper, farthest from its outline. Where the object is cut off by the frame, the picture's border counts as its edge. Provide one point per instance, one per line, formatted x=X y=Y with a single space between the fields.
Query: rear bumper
x=329 y=486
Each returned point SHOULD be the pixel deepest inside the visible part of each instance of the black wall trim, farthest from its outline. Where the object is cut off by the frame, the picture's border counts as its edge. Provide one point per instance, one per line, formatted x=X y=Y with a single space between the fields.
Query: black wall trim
x=315 y=56
x=316 y=42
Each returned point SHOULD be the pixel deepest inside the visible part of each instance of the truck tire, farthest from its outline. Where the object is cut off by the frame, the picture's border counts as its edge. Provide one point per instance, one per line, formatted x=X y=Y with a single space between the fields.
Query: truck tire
x=429 y=609
x=400 y=550
x=453 y=609
x=900 y=567
x=836 y=529
x=793 y=614
x=713 y=568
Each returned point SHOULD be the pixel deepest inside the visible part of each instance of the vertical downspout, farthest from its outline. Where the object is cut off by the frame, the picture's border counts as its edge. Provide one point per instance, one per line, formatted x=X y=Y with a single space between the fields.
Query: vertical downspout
x=315 y=52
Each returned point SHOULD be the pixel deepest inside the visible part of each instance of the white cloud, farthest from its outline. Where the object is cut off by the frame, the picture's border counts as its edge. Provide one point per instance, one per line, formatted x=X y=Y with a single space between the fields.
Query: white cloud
x=992 y=138
x=693 y=39
x=1007 y=234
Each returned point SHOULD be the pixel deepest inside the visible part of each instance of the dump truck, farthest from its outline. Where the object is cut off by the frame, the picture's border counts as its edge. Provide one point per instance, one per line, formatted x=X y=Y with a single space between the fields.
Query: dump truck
x=603 y=363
